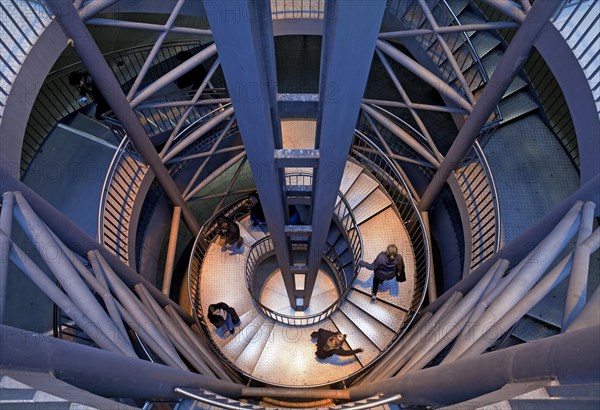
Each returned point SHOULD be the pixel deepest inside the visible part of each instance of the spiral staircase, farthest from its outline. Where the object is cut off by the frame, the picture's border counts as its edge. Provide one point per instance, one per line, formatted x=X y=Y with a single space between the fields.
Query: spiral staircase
x=271 y=347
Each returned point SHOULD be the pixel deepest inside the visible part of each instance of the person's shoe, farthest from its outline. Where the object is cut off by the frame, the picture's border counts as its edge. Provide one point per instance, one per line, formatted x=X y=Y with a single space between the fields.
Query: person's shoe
x=373 y=298
x=232 y=331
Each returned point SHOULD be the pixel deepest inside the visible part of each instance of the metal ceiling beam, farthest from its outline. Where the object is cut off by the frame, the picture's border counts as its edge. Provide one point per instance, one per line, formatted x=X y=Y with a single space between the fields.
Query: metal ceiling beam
x=247 y=54
x=511 y=63
x=109 y=86
x=350 y=36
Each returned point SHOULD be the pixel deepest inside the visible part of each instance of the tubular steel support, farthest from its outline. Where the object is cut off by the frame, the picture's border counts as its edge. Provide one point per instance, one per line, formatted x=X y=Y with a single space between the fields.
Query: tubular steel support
x=6 y=218
x=79 y=241
x=571 y=357
x=549 y=282
x=247 y=36
x=101 y=372
x=508 y=67
x=345 y=70
x=578 y=281
x=106 y=82
x=517 y=249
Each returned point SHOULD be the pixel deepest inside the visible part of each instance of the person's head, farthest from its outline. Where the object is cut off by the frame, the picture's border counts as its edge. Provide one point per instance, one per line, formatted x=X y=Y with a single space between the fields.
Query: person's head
x=250 y=202
x=391 y=251
x=335 y=341
x=224 y=227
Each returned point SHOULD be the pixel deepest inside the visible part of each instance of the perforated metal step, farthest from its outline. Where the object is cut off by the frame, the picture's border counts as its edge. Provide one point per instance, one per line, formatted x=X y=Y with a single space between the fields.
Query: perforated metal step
x=356 y=338
x=389 y=315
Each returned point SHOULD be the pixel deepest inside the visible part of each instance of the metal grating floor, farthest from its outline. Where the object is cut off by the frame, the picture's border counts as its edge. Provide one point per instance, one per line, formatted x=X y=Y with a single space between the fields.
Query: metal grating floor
x=284 y=355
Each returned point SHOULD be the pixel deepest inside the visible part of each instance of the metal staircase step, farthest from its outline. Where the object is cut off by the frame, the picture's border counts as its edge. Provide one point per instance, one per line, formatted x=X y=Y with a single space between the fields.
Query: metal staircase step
x=362 y=187
x=551 y=404
x=458 y=6
x=334 y=234
x=243 y=337
x=376 y=202
x=37 y=405
x=517 y=105
x=376 y=331
x=490 y=62
x=351 y=172
x=484 y=42
x=469 y=17
x=574 y=390
x=529 y=330
x=249 y=238
x=551 y=308
x=356 y=338
x=390 y=315
x=256 y=232
x=247 y=360
x=245 y=319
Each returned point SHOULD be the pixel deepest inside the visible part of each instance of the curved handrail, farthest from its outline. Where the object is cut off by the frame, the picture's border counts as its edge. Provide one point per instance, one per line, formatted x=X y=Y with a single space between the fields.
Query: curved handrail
x=298 y=9
x=20 y=27
x=413 y=16
x=481 y=199
x=475 y=202
x=372 y=158
x=121 y=184
x=57 y=98
x=264 y=247
x=124 y=177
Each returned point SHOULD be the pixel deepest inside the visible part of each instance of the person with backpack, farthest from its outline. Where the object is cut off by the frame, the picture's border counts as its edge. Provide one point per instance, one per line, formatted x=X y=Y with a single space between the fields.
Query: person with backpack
x=221 y=314
x=387 y=265
x=229 y=233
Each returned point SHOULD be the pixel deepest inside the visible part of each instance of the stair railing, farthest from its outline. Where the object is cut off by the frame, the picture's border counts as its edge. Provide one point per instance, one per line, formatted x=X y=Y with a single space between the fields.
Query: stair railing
x=263 y=248
x=17 y=38
x=374 y=160
x=297 y=9
x=478 y=187
x=119 y=190
x=123 y=180
x=413 y=17
x=57 y=98
x=157 y=120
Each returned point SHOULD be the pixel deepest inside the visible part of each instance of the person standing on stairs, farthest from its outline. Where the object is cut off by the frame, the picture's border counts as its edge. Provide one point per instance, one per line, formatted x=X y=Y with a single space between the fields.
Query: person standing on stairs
x=387 y=265
x=257 y=216
x=221 y=313
x=330 y=343
x=230 y=235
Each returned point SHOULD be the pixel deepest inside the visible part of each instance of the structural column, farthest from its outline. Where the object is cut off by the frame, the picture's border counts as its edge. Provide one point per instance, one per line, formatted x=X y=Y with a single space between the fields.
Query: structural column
x=243 y=32
x=105 y=80
x=515 y=56
x=350 y=35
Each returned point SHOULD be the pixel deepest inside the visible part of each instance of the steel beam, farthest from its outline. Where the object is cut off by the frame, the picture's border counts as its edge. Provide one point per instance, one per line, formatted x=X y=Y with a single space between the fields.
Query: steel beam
x=105 y=80
x=344 y=73
x=571 y=357
x=518 y=248
x=6 y=220
x=79 y=241
x=513 y=59
x=247 y=53
x=101 y=372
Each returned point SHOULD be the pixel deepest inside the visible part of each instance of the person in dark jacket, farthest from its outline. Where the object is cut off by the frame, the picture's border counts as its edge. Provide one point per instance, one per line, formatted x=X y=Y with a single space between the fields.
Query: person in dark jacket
x=230 y=233
x=330 y=343
x=386 y=266
x=221 y=313
x=257 y=216
x=194 y=77
x=84 y=83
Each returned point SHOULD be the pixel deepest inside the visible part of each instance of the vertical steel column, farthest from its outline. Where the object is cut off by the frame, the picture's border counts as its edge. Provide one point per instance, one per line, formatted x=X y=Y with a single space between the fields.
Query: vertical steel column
x=6 y=218
x=243 y=32
x=110 y=88
x=350 y=35
x=515 y=56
